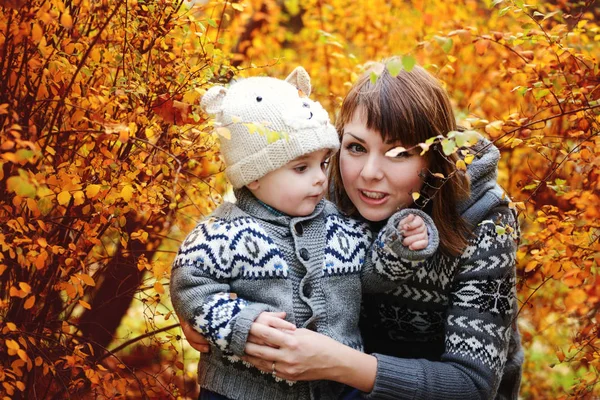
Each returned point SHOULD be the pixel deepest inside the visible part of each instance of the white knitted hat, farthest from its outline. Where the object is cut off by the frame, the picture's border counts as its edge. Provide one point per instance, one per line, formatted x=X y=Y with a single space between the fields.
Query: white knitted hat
x=271 y=122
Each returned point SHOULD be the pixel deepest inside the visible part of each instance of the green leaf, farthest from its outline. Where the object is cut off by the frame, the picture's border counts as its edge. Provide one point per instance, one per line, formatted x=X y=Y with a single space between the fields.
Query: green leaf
x=448 y=146
x=542 y=93
x=538 y=14
x=408 y=63
x=504 y=10
x=212 y=23
x=500 y=230
x=445 y=43
x=374 y=77
x=394 y=67
x=22 y=187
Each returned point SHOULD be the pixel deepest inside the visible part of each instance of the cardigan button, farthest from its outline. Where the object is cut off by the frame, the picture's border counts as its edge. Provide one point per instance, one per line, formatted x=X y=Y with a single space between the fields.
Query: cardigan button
x=299 y=229
x=304 y=254
x=307 y=290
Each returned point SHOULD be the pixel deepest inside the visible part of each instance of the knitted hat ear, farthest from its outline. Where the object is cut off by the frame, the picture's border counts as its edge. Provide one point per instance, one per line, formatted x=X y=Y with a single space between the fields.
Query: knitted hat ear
x=212 y=101
x=300 y=79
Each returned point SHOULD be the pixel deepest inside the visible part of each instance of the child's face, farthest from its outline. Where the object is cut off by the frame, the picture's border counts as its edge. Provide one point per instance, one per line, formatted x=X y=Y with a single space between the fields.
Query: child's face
x=377 y=185
x=297 y=187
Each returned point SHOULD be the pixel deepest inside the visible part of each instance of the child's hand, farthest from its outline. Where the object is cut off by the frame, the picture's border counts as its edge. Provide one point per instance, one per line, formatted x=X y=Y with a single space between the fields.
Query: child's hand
x=414 y=230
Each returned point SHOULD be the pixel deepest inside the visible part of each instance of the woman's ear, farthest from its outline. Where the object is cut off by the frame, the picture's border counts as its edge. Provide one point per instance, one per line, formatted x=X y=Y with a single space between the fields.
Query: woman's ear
x=212 y=101
x=300 y=79
x=254 y=185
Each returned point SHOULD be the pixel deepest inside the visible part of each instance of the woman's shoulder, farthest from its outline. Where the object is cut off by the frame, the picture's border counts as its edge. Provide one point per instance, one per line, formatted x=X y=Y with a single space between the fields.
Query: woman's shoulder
x=496 y=234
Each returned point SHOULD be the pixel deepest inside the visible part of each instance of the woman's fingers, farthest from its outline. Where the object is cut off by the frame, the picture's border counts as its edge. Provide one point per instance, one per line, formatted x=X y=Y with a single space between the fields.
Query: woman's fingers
x=275 y=320
x=269 y=335
x=262 y=352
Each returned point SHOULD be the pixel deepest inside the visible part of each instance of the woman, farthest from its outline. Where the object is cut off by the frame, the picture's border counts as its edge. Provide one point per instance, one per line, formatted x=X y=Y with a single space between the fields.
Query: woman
x=450 y=331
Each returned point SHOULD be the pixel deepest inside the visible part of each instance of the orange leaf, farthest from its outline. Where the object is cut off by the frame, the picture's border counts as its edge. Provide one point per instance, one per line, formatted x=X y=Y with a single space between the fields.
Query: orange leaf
x=173 y=111
x=85 y=304
x=88 y=280
x=159 y=288
x=66 y=20
x=29 y=303
x=25 y=287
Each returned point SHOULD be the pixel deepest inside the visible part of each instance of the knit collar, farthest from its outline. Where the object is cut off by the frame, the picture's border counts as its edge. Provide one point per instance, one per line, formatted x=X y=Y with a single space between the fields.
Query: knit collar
x=247 y=202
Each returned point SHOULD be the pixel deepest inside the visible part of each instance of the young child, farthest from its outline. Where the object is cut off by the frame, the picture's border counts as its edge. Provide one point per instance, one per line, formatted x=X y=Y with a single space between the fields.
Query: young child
x=281 y=247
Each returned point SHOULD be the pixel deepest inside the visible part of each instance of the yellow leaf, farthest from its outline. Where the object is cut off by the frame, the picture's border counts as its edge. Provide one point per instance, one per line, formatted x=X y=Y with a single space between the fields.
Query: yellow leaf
x=531 y=265
x=88 y=280
x=78 y=197
x=494 y=128
x=127 y=192
x=92 y=190
x=416 y=196
x=36 y=33
x=95 y=54
x=20 y=385
x=29 y=303
x=64 y=197
x=22 y=355
x=25 y=287
x=237 y=6
x=11 y=326
x=159 y=288
x=461 y=165
x=469 y=159
x=85 y=304
x=395 y=152
x=66 y=20
x=42 y=242
x=11 y=344
x=223 y=132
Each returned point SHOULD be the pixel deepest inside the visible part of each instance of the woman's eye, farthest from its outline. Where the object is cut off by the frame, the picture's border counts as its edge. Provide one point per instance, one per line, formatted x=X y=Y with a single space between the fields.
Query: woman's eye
x=355 y=148
x=324 y=164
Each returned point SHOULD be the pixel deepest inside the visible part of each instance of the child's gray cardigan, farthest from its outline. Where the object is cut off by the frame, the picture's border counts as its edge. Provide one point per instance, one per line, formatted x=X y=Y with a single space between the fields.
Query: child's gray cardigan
x=244 y=260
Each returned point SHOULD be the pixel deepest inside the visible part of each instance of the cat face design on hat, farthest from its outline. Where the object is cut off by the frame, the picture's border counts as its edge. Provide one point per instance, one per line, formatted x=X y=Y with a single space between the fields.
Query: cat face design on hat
x=301 y=125
x=278 y=105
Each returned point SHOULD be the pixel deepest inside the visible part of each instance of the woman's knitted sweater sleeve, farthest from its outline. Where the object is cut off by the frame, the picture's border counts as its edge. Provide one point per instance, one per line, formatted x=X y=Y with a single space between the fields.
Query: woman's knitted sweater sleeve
x=390 y=262
x=478 y=326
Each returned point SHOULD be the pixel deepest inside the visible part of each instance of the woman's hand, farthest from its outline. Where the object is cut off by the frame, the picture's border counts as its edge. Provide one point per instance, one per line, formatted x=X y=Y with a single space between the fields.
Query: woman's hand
x=299 y=355
x=270 y=319
x=195 y=338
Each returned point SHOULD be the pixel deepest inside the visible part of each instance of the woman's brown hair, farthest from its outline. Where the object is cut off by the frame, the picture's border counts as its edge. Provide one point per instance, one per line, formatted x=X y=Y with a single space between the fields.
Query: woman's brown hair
x=411 y=108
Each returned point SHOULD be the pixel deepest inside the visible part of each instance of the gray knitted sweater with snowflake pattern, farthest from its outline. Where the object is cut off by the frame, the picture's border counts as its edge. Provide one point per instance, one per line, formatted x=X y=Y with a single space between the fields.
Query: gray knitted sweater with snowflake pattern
x=245 y=259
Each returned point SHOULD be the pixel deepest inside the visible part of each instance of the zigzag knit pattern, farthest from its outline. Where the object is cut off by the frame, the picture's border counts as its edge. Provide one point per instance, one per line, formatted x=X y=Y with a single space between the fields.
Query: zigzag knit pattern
x=472 y=296
x=232 y=249
x=347 y=243
x=216 y=316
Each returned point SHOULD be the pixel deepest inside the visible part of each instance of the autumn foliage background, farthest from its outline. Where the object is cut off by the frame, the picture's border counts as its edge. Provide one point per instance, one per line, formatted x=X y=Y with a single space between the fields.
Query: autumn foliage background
x=107 y=161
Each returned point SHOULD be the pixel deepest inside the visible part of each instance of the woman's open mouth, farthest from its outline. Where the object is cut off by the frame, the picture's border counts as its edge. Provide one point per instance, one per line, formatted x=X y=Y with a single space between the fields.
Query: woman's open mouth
x=372 y=197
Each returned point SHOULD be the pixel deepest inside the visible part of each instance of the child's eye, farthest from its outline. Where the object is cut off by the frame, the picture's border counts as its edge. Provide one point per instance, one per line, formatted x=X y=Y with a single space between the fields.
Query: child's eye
x=355 y=148
x=300 y=168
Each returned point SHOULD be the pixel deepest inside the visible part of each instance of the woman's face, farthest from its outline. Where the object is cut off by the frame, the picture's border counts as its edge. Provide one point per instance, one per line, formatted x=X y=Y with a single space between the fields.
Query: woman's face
x=377 y=185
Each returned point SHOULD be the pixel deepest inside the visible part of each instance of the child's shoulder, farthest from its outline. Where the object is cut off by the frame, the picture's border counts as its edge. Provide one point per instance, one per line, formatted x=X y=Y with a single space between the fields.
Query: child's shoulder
x=227 y=216
x=334 y=216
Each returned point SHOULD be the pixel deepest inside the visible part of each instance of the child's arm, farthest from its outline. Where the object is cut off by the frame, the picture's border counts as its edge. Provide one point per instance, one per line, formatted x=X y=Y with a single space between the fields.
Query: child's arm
x=400 y=249
x=200 y=289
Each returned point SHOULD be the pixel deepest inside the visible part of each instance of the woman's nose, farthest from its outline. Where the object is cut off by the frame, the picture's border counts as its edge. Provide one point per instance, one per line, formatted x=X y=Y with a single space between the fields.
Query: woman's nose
x=372 y=168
